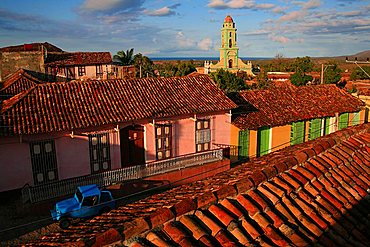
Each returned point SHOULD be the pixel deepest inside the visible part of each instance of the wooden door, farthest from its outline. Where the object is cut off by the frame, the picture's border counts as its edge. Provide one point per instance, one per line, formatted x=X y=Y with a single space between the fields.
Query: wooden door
x=132 y=146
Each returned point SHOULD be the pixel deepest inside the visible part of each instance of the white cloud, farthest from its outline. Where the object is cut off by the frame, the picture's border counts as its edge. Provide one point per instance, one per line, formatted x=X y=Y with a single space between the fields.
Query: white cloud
x=110 y=5
x=183 y=41
x=292 y=16
x=280 y=39
x=205 y=44
x=238 y=4
x=165 y=11
x=312 y=4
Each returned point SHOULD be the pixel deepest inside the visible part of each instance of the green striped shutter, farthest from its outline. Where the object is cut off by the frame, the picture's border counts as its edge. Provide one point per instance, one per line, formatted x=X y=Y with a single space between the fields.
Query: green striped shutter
x=356 y=118
x=343 y=120
x=263 y=141
x=243 y=151
x=297 y=133
x=327 y=126
x=315 y=128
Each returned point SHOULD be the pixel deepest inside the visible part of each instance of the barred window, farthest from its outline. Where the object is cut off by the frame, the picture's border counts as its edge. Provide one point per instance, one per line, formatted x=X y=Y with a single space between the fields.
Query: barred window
x=203 y=135
x=81 y=70
x=44 y=162
x=99 y=70
x=163 y=140
x=99 y=152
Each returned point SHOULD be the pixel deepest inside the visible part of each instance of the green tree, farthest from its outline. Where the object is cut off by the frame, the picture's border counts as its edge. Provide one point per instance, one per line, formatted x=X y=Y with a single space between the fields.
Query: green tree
x=358 y=74
x=332 y=73
x=144 y=66
x=301 y=67
x=124 y=58
x=227 y=81
x=185 y=68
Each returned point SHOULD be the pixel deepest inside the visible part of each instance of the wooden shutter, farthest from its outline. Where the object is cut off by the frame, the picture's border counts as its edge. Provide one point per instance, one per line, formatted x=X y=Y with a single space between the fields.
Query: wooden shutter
x=343 y=121
x=315 y=128
x=327 y=126
x=297 y=132
x=243 y=151
x=263 y=140
x=356 y=118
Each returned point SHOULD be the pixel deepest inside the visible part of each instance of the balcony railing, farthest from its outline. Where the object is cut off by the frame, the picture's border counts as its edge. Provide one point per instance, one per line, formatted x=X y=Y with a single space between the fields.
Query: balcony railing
x=68 y=186
x=229 y=151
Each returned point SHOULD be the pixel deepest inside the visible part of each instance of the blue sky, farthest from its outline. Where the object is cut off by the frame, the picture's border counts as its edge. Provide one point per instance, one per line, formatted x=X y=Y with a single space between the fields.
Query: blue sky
x=163 y=28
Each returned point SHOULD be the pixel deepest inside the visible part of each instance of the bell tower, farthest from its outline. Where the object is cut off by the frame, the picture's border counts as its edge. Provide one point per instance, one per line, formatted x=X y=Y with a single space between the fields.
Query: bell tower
x=229 y=49
x=229 y=52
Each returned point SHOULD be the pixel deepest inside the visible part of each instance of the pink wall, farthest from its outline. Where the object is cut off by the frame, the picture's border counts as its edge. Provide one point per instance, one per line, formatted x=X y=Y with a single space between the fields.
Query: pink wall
x=72 y=156
x=15 y=163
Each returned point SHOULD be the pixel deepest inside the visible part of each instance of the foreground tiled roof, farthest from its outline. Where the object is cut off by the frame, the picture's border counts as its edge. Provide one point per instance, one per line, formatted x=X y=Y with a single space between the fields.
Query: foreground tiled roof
x=78 y=58
x=84 y=104
x=314 y=193
x=18 y=82
x=282 y=105
x=31 y=47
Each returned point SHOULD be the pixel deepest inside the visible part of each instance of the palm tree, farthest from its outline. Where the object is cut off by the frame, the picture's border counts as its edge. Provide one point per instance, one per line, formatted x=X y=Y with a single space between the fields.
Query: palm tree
x=124 y=58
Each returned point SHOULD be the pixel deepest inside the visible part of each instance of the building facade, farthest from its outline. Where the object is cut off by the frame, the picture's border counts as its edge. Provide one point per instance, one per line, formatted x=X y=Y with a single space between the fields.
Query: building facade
x=53 y=132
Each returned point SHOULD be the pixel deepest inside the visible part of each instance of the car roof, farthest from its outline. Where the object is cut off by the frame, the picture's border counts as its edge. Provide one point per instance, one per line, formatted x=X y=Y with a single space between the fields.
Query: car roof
x=89 y=190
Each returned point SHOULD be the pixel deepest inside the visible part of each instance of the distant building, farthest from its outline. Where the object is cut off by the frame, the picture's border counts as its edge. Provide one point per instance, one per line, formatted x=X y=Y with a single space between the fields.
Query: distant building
x=28 y=56
x=49 y=59
x=229 y=51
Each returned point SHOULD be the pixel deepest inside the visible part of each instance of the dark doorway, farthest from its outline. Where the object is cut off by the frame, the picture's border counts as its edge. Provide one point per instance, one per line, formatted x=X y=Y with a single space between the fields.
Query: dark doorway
x=132 y=146
x=230 y=63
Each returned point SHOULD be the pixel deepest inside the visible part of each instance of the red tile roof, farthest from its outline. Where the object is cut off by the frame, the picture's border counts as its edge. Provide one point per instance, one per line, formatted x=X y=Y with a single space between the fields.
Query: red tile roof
x=22 y=80
x=18 y=82
x=78 y=58
x=84 y=104
x=311 y=193
x=283 y=105
x=31 y=47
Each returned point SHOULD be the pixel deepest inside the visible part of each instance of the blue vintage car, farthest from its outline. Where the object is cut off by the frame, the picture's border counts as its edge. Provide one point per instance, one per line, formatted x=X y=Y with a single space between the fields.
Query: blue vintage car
x=88 y=201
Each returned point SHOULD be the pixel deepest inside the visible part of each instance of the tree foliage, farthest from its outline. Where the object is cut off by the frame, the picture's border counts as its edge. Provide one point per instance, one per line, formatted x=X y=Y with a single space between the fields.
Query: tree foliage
x=170 y=69
x=144 y=66
x=332 y=73
x=227 y=81
x=301 y=67
x=124 y=58
x=358 y=74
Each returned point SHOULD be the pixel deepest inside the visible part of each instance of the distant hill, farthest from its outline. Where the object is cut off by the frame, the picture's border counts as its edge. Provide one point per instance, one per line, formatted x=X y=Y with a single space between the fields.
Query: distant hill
x=363 y=55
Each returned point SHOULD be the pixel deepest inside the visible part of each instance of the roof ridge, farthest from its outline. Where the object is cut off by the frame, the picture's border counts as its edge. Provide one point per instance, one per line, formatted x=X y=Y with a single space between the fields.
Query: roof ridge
x=9 y=103
x=261 y=172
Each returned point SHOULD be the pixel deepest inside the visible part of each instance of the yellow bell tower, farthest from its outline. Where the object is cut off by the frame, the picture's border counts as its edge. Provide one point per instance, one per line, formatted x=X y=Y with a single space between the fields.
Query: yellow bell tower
x=229 y=51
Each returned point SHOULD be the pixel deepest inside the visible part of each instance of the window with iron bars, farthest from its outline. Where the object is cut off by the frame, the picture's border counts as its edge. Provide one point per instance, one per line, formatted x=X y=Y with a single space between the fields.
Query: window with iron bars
x=163 y=141
x=44 y=161
x=203 y=135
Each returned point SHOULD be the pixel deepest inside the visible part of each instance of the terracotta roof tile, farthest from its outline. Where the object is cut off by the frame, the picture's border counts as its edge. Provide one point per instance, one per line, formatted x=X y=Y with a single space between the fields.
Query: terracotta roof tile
x=320 y=200
x=283 y=105
x=78 y=58
x=78 y=105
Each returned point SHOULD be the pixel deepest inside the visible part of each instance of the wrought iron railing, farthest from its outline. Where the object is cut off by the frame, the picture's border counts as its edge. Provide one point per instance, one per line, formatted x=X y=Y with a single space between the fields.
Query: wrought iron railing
x=68 y=186
x=230 y=151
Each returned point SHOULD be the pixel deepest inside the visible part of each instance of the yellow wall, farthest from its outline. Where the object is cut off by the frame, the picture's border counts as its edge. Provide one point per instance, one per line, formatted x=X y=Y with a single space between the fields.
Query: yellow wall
x=252 y=143
x=280 y=137
x=234 y=138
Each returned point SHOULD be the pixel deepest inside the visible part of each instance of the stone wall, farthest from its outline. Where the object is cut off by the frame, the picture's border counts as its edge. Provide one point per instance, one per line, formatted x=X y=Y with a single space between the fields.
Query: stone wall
x=12 y=61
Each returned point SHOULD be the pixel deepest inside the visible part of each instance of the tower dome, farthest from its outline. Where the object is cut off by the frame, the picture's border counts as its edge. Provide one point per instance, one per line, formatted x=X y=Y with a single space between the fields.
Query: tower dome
x=228 y=19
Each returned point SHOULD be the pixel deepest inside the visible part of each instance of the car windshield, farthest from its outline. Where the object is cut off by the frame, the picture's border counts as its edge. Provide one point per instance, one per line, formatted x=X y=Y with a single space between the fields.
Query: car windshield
x=79 y=195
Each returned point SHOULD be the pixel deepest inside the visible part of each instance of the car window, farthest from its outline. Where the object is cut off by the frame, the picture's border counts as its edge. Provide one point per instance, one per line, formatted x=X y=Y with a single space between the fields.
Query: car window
x=90 y=201
x=79 y=195
x=105 y=196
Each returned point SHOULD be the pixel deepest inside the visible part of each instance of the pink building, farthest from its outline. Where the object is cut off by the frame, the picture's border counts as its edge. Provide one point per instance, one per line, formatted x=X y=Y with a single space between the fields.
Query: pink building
x=58 y=131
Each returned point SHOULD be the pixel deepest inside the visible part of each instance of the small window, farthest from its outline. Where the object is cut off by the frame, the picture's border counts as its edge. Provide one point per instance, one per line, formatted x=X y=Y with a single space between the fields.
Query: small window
x=203 y=135
x=99 y=70
x=163 y=141
x=36 y=149
x=81 y=70
x=48 y=147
